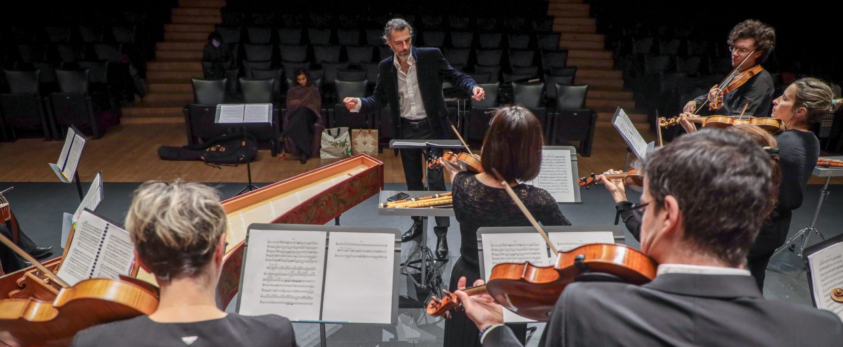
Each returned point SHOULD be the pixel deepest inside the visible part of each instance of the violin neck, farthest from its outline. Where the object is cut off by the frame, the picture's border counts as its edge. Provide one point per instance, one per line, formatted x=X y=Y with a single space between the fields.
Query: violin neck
x=615 y=176
x=476 y=290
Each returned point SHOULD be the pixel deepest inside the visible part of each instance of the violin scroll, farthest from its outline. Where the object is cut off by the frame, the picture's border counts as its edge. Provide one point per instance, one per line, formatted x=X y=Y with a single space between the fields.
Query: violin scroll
x=442 y=307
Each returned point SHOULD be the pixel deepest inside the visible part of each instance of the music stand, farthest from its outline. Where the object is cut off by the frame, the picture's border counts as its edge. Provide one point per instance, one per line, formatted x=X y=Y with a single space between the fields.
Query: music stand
x=424 y=254
x=805 y=233
x=244 y=117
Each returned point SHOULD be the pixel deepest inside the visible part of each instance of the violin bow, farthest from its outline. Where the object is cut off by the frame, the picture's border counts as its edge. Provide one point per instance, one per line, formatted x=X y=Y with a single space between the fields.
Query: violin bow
x=5 y=240
x=744 y=110
x=728 y=78
x=460 y=137
x=6 y=190
x=524 y=210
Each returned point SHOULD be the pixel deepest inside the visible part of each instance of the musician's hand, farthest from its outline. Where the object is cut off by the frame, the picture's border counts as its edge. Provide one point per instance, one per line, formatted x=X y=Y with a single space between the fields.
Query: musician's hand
x=686 y=124
x=690 y=107
x=482 y=308
x=351 y=103
x=713 y=93
x=479 y=93
x=614 y=186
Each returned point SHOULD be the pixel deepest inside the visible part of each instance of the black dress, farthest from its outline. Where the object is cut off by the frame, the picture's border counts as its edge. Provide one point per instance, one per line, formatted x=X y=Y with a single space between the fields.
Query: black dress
x=798 y=153
x=231 y=330
x=478 y=205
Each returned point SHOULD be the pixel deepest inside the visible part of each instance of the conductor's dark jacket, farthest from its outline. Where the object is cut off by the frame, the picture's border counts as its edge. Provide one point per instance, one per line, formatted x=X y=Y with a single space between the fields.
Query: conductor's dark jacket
x=432 y=69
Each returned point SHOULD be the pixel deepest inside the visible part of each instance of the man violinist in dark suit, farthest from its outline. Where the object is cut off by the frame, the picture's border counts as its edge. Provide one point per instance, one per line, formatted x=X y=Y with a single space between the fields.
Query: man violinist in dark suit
x=699 y=234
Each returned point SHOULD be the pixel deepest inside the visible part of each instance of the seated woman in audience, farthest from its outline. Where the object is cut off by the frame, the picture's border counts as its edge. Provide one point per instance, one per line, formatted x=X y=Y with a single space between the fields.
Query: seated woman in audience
x=218 y=55
x=513 y=147
x=303 y=122
x=618 y=190
x=179 y=234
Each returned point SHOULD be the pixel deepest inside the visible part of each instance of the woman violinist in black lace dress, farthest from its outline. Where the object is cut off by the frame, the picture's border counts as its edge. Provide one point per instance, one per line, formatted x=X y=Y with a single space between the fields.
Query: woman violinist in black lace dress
x=513 y=147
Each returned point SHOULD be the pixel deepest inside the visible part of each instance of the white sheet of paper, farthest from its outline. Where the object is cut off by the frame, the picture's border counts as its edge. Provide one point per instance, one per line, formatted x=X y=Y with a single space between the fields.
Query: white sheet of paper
x=230 y=114
x=116 y=255
x=556 y=175
x=513 y=248
x=630 y=134
x=92 y=198
x=74 y=156
x=88 y=248
x=284 y=274
x=358 y=278
x=827 y=274
x=257 y=113
x=65 y=149
x=566 y=241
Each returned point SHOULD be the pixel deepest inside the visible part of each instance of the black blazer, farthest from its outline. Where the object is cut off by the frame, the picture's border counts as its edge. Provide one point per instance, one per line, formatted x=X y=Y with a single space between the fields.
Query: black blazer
x=432 y=69
x=680 y=310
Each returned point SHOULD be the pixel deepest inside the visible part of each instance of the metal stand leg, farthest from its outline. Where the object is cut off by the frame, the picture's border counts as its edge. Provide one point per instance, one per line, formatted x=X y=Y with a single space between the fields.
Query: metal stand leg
x=250 y=187
x=323 y=336
x=79 y=185
x=433 y=280
x=626 y=166
x=806 y=232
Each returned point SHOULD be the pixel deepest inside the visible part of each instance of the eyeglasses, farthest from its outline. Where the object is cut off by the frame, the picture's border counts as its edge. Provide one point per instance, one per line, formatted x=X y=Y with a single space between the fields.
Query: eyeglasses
x=637 y=209
x=741 y=51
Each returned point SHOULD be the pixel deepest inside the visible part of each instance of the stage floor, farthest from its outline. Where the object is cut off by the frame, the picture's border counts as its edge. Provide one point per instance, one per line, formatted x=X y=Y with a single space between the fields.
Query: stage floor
x=39 y=208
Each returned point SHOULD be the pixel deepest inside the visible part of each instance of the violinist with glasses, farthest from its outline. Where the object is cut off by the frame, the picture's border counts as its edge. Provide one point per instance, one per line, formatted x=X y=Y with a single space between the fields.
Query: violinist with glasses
x=750 y=43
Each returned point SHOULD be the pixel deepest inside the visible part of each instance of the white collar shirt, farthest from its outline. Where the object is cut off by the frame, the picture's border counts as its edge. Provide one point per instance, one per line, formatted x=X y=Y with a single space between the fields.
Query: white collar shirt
x=409 y=96
x=699 y=270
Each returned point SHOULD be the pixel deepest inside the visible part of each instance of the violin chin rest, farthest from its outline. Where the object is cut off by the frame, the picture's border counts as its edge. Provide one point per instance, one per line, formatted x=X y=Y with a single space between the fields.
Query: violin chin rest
x=597 y=277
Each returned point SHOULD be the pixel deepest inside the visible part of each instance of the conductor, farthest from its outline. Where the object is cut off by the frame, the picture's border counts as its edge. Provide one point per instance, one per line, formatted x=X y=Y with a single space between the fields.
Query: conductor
x=411 y=83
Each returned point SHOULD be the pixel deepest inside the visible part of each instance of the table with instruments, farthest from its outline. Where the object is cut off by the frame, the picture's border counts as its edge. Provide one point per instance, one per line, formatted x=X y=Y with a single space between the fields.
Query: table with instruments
x=432 y=281
x=828 y=173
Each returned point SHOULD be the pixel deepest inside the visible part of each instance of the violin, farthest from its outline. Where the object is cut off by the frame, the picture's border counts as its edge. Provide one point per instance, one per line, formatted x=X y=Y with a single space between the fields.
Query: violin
x=771 y=125
x=460 y=162
x=829 y=163
x=734 y=81
x=532 y=291
x=632 y=177
x=39 y=314
x=28 y=322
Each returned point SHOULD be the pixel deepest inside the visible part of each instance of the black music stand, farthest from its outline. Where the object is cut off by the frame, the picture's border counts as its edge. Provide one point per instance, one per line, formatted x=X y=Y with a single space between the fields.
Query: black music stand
x=426 y=261
x=251 y=117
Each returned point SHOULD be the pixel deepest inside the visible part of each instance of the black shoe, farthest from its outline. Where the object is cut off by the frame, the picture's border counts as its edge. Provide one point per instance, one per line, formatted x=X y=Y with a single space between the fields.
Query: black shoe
x=414 y=232
x=303 y=158
x=442 y=247
x=40 y=252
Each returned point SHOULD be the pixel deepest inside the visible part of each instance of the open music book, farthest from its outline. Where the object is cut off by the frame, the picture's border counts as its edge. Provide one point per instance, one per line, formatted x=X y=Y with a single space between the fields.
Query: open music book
x=521 y=247
x=71 y=152
x=629 y=133
x=244 y=113
x=92 y=198
x=96 y=248
x=825 y=265
x=290 y=273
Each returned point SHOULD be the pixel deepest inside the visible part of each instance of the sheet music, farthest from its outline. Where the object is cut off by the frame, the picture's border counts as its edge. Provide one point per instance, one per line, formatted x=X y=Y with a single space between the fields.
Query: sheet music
x=566 y=241
x=358 y=278
x=116 y=254
x=827 y=274
x=257 y=113
x=88 y=249
x=230 y=113
x=513 y=248
x=73 y=158
x=92 y=198
x=629 y=133
x=285 y=274
x=65 y=149
x=555 y=176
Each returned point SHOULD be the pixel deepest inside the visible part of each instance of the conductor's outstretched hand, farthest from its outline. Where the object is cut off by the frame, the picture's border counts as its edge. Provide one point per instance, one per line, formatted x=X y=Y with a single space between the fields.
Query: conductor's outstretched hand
x=479 y=93
x=350 y=103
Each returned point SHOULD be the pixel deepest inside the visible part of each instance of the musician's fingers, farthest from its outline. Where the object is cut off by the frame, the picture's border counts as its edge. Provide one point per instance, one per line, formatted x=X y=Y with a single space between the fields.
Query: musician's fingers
x=461 y=283
x=478 y=283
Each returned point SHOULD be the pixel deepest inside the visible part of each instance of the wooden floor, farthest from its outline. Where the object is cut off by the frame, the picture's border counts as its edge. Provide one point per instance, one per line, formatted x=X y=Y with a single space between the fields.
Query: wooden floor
x=129 y=153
